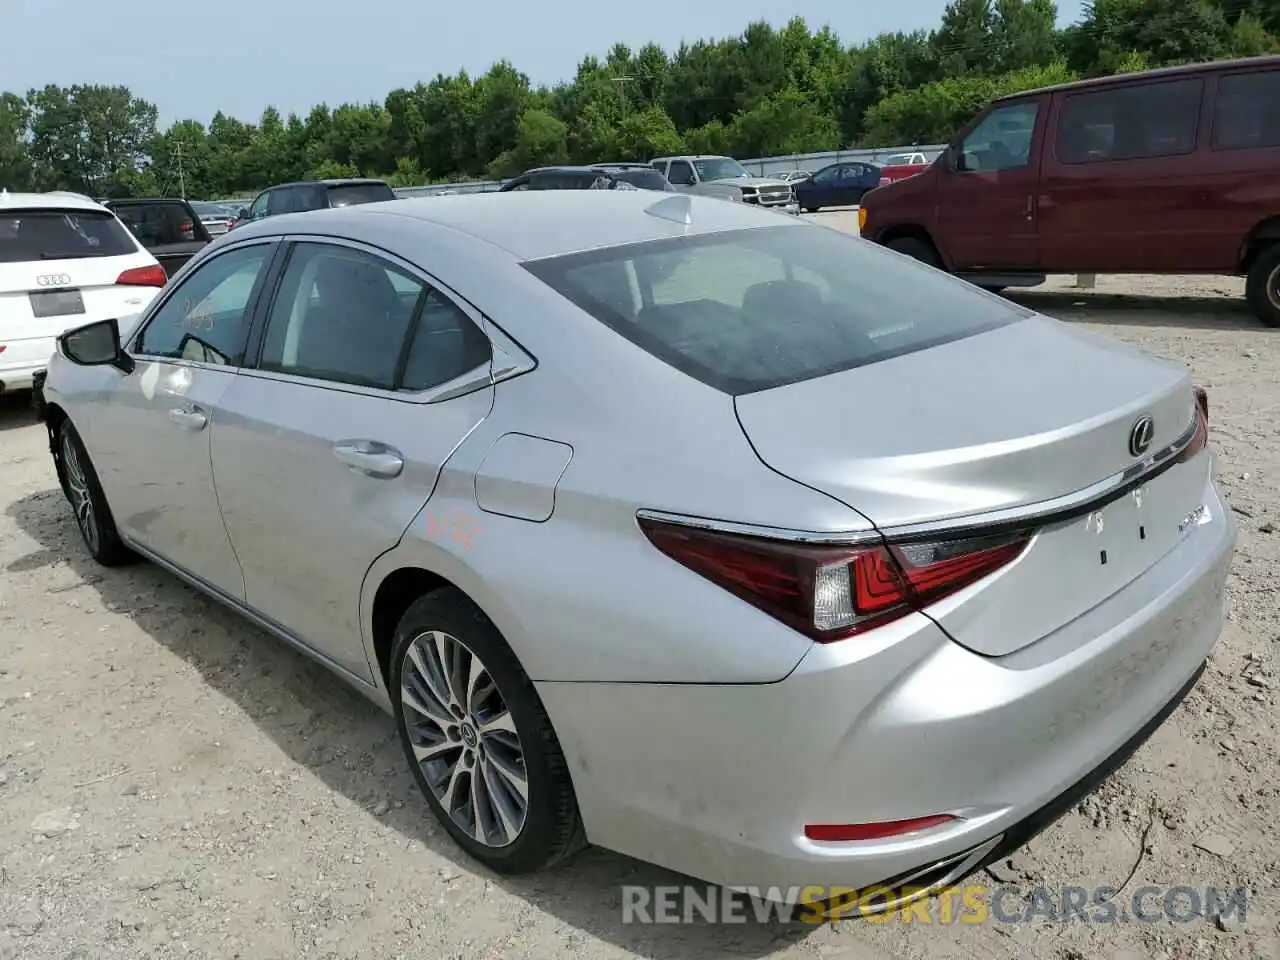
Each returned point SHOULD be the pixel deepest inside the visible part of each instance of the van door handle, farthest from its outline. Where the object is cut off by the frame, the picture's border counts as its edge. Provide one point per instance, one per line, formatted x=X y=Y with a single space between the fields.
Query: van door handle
x=370 y=457
x=1031 y=207
x=190 y=418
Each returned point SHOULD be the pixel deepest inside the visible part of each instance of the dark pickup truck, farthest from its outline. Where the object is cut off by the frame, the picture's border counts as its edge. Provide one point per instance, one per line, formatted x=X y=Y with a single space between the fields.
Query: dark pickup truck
x=169 y=228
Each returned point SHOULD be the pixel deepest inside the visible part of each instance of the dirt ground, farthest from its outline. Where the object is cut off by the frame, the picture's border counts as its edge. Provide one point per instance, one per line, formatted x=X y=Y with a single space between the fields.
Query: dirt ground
x=174 y=783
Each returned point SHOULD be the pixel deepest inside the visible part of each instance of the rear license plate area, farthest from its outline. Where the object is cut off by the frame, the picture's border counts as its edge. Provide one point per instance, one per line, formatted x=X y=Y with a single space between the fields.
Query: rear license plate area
x=56 y=303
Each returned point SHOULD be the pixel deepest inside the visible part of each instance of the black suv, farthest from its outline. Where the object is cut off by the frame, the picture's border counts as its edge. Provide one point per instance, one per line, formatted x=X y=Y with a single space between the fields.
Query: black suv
x=168 y=227
x=597 y=176
x=314 y=195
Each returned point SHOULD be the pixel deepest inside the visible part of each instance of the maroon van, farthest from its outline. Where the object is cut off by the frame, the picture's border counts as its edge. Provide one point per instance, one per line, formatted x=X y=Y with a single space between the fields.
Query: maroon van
x=1173 y=171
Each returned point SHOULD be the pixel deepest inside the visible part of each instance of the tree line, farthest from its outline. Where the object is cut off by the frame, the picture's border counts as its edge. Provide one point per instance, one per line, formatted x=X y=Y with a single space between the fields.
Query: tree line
x=766 y=92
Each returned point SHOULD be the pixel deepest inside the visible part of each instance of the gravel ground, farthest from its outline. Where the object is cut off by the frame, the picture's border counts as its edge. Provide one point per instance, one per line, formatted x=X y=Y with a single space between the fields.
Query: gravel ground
x=174 y=783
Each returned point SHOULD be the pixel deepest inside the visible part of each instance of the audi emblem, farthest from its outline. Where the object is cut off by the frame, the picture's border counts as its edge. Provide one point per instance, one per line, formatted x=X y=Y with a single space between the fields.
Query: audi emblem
x=53 y=280
x=1141 y=434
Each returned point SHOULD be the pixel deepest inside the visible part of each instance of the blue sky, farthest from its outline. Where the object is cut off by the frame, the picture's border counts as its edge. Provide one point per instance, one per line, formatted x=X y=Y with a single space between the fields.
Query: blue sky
x=193 y=58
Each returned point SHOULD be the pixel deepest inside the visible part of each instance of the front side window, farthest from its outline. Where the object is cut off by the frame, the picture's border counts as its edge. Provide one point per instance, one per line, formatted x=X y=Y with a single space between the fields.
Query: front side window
x=347 y=316
x=1000 y=141
x=259 y=208
x=1247 y=113
x=748 y=310
x=1130 y=122
x=826 y=175
x=207 y=318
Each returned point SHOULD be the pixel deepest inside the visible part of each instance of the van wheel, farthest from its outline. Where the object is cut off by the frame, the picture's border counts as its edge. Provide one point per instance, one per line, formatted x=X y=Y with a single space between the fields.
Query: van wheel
x=478 y=740
x=1262 y=289
x=918 y=249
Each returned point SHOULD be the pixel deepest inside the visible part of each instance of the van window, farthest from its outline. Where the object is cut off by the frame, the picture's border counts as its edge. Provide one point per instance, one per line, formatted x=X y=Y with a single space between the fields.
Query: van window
x=1247 y=114
x=1001 y=140
x=1131 y=122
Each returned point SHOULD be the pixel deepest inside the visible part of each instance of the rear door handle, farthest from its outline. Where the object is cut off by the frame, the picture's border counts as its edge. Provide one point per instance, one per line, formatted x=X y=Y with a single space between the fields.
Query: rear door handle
x=190 y=418
x=370 y=457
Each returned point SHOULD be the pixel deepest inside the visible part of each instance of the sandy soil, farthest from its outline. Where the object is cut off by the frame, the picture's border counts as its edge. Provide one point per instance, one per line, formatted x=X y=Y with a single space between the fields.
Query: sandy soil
x=174 y=783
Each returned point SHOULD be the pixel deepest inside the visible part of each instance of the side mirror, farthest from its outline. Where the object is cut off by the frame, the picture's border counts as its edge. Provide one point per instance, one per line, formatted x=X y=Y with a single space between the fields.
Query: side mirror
x=243 y=214
x=96 y=345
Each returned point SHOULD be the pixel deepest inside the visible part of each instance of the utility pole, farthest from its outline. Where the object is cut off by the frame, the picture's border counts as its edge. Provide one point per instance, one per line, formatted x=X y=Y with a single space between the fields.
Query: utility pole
x=182 y=180
x=622 y=93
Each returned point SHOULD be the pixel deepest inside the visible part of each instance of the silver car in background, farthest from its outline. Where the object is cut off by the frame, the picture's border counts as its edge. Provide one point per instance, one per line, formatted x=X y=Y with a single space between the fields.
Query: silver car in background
x=697 y=531
x=217 y=219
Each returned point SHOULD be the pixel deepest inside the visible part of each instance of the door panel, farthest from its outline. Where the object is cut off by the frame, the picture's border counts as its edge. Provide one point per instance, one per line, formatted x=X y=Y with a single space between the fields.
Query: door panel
x=986 y=215
x=152 y=432
x=326 y=452
x=1123 y=188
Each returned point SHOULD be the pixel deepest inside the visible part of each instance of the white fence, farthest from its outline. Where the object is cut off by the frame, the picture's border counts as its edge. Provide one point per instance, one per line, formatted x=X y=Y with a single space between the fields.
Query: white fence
x=760 y=166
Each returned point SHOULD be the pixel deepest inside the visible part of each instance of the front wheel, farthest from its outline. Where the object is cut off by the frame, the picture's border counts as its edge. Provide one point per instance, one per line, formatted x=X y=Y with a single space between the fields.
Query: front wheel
x=1262 y=288
x=918 y=249
x=478 y=740
x=83 y=490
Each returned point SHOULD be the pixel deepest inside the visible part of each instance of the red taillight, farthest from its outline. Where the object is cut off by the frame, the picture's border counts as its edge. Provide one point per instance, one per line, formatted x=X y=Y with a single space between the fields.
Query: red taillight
x=153 y=276
x=829 y=593
x=879 y=830
x=1200 y=439
x=188 y=230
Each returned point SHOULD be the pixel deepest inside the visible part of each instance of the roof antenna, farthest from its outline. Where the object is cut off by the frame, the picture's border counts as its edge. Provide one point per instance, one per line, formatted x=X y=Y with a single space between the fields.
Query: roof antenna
x=677 y=209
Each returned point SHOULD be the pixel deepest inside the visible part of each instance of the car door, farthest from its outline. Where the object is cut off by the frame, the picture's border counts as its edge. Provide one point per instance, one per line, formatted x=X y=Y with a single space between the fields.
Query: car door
x=985 y=214
x=367 y=379
x=151 y=432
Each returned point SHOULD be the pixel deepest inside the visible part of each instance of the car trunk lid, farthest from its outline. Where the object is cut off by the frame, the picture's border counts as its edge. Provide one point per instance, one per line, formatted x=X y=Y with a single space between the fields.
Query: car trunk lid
x=1017 y=421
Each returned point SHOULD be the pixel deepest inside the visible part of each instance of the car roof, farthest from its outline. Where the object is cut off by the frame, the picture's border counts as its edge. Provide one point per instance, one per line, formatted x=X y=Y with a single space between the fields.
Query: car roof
x=1162 y=73
x=148 y=200
x=569 y=167
x=330 y=182
x=47 y=201
x=532 y=225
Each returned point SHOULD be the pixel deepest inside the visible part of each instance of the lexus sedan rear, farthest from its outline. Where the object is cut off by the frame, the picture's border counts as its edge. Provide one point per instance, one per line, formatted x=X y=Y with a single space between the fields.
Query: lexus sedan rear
x=685 y=528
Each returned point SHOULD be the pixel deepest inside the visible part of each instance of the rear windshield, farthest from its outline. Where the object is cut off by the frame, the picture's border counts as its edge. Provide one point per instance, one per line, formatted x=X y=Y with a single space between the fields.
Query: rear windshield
x=344 y=195
x=645 y=178
x=27 y=235
x=748 y=310
x=157 y=223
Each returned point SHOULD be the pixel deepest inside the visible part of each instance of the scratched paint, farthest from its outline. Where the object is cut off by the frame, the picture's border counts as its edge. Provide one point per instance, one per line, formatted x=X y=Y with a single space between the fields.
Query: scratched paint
x=458 y=528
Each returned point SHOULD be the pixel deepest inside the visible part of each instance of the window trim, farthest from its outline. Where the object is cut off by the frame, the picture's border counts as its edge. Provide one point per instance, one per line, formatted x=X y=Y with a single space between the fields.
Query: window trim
x=1123 y=88
x=1217 y=99
x=507 y=358
x=193 y=266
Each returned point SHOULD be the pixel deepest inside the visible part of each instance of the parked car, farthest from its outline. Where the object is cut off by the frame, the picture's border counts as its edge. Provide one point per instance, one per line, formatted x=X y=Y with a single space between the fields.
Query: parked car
x=640 y=175
x=1169 y=171
x=168 y=227
x=217 y=219
x=836 y=185
x=659 y=522
x=903 y=166
x=725 y=178
x=592 y=177
x=314 y=195
x=64 y=260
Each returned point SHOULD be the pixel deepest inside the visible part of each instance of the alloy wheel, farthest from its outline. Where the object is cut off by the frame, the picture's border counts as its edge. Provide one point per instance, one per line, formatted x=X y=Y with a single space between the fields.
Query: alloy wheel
x=1273 y=288
x=464 y=739
x=80 y=495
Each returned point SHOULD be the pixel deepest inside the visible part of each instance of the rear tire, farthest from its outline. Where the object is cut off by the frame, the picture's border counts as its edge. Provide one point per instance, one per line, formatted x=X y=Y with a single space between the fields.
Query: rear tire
x=465 y=706
x=1262 y=288
x=918 y=249
x=84 y=492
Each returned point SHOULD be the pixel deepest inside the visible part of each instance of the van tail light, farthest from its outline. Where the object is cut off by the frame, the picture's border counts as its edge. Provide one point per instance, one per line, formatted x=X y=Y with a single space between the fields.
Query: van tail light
x=152 y=276
x=1200 y=438
x=188 y=230
x=832 y=592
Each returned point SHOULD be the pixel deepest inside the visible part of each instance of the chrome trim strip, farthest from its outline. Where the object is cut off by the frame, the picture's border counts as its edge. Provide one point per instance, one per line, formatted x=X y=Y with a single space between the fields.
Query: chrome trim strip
x=1042 y=513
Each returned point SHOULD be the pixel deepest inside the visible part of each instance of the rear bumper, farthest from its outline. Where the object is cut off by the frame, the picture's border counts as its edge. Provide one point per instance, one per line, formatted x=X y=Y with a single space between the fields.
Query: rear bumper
x=22 y=360
x=718 y=782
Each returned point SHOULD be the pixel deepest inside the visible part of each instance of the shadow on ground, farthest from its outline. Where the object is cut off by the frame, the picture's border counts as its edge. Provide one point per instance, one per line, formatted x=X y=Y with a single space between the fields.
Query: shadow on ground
x=1185 y=313
x=353 y=747
x=16 y=410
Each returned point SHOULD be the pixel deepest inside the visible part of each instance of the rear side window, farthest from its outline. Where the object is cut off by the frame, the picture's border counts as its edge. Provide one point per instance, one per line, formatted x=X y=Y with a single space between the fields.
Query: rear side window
x=348 y=194
x=748 y=310
x=159 y=223
x=1131 y=122
x=643 y=178
x=1247 y=113
x=27 y=235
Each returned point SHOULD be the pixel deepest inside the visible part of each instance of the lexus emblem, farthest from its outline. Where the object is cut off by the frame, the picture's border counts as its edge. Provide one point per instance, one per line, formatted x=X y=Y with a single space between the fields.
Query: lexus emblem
x=1141 y=434
x=53 y=280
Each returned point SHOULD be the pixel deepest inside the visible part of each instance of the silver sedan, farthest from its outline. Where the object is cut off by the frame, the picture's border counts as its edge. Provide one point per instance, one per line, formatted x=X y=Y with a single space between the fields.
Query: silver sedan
x=696 y=531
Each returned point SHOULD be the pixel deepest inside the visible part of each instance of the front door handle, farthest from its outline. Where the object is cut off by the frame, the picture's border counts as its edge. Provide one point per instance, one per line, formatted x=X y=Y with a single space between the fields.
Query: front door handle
x=370 y=457
x=190 y=418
